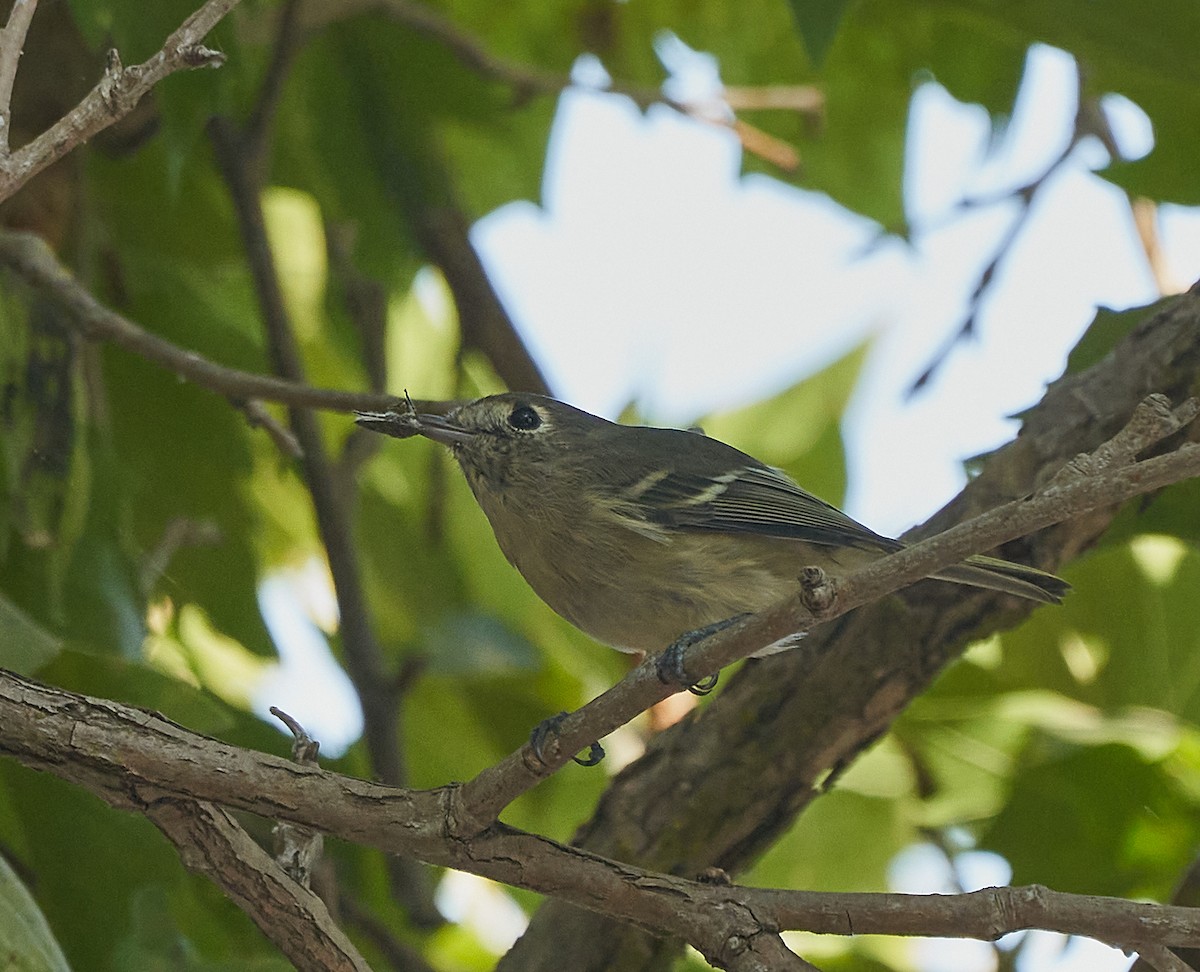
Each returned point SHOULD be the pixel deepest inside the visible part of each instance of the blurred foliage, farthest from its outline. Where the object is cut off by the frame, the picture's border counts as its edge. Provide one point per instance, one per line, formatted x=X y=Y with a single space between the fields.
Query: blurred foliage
x=26 y=941
x=140 y=514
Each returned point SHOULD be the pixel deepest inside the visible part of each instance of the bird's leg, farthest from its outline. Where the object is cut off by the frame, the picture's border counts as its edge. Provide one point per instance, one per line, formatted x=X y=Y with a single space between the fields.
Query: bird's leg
x=548 y=728
x=670 y=662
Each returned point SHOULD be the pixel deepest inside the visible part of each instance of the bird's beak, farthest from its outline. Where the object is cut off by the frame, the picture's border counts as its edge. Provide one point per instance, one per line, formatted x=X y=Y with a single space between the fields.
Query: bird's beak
x=404 y=425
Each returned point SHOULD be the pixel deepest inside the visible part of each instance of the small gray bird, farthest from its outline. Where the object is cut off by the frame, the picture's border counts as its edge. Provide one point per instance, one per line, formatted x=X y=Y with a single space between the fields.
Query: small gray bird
x=639 y=535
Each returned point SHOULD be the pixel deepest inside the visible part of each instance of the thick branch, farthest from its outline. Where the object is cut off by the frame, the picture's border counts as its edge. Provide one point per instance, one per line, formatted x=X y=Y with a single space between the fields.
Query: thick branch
x=116 y=95
x=212 y=843
x=139 y=761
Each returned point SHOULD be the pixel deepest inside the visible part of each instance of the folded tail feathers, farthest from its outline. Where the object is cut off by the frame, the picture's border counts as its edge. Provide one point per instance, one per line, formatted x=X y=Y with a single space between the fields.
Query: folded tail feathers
x=1007 y=577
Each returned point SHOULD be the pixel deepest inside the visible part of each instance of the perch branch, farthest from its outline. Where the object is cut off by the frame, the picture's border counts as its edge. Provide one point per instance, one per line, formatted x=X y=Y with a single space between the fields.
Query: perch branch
x=138 y=760
x=696 y=801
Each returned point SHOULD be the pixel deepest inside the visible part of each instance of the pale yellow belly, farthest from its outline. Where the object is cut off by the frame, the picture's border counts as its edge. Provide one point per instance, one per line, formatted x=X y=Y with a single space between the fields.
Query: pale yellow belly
x=644 y=594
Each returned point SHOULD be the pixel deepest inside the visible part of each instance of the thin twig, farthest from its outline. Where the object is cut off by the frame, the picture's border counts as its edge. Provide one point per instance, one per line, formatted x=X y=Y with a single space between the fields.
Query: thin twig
x=527 y=82
x=179 y=532
x=364 y=658
x=12 y=43
x=116 y=95
x=32 y=259
x=804 y=99
x=284 y=438
x=1088 y=121
x=298 y=849
x=365 y=301
x=257 y=131
x=1162 y=959
x=1145 y=221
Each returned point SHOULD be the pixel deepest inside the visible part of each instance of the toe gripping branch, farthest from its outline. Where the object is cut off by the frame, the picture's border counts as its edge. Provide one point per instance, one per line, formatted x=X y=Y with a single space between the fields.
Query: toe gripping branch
x=671 y=670
x=547 y=730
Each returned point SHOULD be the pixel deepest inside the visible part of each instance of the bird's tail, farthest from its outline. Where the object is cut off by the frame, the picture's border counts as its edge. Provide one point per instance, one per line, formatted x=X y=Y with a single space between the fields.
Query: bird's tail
x=1003 y=575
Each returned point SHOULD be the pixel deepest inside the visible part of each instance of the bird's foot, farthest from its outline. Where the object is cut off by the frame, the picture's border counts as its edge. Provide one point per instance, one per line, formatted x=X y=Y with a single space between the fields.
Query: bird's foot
x=546 y=730
x=670 y=663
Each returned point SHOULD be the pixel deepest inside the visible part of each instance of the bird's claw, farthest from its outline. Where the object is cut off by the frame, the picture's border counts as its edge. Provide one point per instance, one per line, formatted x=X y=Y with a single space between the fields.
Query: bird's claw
x=671 y=671
x=547 y=728
x=670 y=662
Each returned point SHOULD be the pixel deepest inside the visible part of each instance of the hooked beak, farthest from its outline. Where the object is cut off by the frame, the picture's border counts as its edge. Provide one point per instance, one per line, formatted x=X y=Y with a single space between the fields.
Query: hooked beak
x=404 y=425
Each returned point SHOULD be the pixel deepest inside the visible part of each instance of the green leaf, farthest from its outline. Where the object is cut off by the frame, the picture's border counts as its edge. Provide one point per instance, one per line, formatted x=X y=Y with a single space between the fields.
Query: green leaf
x=1140 y=51
x=45 y=465
x=88 y=860
x=1123 y=637
x=818 y=21
x=975 y=59
x=25 y=646
x=470 y=643
x=1107 y=329
x=1170 y=513
x=813 y=854
x=26 y=942
x=424 y=134
x=1098 y=820
x=798 y=430
x=156 y=941
x=856 y=155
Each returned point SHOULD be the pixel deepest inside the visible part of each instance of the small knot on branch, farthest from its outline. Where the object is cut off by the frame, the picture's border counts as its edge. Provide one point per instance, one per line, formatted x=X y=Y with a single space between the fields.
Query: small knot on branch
x=199 y=56
x=817 y=592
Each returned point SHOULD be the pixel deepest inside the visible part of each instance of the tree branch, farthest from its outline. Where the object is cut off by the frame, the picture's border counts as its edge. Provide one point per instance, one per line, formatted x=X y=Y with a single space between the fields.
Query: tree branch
x=1162 y=959
x=530 y=82
x=12 y=42
x=140 y=761
x=31 y=258
x=114 y=96
x=210 y=842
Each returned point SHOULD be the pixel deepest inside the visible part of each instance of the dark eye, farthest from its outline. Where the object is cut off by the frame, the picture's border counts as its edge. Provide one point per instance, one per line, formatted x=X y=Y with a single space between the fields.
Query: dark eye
x=524 y=418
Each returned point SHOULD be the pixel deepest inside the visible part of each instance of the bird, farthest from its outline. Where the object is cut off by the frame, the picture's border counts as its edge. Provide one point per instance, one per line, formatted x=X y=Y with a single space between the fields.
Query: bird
x=639 y=535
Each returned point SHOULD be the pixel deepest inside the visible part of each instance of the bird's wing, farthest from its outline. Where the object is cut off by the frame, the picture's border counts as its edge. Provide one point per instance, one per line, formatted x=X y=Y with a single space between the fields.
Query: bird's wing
x=749 y=499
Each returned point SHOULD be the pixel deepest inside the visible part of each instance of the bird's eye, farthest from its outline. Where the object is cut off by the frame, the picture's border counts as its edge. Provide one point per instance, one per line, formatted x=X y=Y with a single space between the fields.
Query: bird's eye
x=524 y=418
